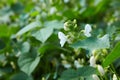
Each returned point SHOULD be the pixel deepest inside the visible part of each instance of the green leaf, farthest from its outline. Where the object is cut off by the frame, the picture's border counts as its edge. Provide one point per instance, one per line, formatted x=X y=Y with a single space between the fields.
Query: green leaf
x=43 y=34
x=28 y=28
x=25 y=47
x=111 y=30
x=28 y=62
x=17 y=7
x=54 y=24
x=86 y=71
x=115 y=54
x=92 y=43
x=7 y=31
x=46 y=47
x=69 y=74
x=2 y=44
x=72 y=74
x=89 y=78
x=20 y=76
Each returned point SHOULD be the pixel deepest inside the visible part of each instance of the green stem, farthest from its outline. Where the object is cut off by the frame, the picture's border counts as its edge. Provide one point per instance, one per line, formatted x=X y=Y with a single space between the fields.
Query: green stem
x=101 y=78
x=112 y=67
x=114 y=71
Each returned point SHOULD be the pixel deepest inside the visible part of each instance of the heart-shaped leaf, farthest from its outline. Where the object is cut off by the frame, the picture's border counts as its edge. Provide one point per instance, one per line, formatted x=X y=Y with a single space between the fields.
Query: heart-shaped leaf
x=43 y=34
x=28 y=62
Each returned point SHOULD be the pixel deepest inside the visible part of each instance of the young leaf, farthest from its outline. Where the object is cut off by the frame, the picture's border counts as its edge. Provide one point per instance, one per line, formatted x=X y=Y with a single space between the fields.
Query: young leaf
x=43 y=34
x=93 y=43
x=28 y=62
x=115 y=54
x=28 y=28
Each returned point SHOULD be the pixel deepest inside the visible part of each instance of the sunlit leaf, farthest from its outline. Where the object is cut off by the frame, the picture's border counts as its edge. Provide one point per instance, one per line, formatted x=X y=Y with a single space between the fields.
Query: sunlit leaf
x=92 y=43
x=43 y=34
x=28 y=28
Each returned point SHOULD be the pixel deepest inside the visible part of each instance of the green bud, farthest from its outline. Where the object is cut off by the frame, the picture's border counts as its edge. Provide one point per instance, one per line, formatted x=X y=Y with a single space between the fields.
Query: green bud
x=94 y=52
x=70 y=25
x=104 y=51
x=74 y=21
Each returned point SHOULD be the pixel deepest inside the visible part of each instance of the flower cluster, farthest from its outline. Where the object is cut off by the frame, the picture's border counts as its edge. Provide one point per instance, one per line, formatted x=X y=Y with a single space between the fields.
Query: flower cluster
x=70 y=26
x=73 y=33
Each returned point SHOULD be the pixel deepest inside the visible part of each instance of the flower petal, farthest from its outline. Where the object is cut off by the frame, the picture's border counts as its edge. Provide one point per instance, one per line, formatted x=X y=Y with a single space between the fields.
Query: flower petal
x=62 y=38
x=87 y=30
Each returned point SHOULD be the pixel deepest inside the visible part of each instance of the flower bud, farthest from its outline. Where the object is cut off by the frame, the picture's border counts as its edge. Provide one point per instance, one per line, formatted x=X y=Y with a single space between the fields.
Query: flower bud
x=114 y=77
x=104 y=51
x=74 y=21
x=92 y=61
x=95 y=77
x=101 y=70
x=82 y=60
x=43 y=78
x=62 y=56
x=70 y=25
x=94 y=52
x=66 y=26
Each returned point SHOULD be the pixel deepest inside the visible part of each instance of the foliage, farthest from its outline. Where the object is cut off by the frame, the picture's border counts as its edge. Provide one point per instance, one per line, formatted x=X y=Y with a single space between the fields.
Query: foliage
x=31 y=47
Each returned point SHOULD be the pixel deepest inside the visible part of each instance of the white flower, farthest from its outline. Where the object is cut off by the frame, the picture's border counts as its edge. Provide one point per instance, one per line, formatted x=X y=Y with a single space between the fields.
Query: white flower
x=101 y=70
x=87 y=30
x=66 y=1
x=62 y=56
x=114 y=77
x=77 y=64
x=62 y=38
x=92 y=61
x=53 y=10
x=95 y=77
x=66 y=64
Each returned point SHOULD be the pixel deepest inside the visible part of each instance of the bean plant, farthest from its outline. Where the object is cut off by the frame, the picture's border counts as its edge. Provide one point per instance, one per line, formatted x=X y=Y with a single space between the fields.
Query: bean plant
x=59 y=39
